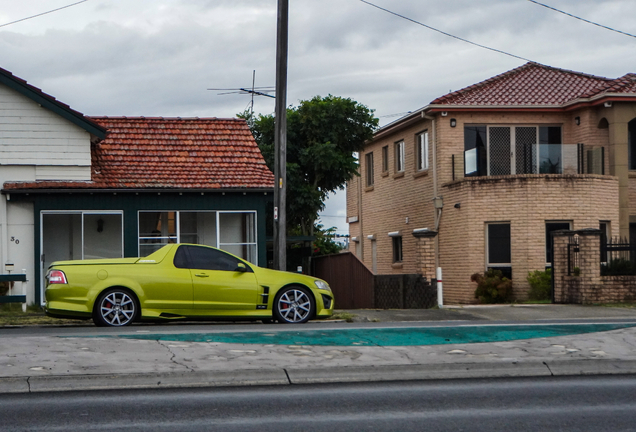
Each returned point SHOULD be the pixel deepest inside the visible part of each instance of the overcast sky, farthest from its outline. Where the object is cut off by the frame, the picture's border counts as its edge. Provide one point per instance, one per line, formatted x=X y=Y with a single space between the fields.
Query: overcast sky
x=159 y=57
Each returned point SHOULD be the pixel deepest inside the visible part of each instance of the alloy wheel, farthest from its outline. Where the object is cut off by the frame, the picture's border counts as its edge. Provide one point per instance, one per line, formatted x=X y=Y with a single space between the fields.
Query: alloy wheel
x=117 y=309
x=294 y=306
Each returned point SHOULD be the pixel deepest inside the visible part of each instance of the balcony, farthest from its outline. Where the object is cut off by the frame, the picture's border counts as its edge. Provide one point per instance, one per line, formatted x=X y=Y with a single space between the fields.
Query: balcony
x=529 y=159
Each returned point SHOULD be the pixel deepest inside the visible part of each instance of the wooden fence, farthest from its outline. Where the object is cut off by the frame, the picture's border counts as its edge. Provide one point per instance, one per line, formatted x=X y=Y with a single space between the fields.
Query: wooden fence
x=356 y=287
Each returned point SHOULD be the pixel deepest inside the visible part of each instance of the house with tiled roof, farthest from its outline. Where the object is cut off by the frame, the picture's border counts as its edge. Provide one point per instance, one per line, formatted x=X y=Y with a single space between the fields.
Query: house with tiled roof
x=481 y=176
x=79 y=187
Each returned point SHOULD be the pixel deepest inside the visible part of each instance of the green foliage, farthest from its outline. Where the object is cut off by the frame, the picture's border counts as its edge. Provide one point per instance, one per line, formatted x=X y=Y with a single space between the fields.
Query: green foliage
x=540 y=284
x=324 y=243
x=492 y=287
x=618 y=267
x=322 y=136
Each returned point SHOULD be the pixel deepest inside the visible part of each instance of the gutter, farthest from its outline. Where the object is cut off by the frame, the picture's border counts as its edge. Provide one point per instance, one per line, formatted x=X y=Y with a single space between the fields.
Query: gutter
x=129 y=191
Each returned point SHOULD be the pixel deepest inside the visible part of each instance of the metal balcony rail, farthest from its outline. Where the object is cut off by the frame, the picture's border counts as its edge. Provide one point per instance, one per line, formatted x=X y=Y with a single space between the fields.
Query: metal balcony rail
x=529 y=159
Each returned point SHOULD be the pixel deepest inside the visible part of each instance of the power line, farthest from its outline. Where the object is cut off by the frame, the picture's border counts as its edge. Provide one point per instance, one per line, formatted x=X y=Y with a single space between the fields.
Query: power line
x=582 y=19
x=447 y=34
x=43 y=13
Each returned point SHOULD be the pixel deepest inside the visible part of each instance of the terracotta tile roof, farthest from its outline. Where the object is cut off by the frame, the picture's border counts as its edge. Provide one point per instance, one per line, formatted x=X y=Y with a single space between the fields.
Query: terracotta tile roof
x=171 y=153
x=537 y=85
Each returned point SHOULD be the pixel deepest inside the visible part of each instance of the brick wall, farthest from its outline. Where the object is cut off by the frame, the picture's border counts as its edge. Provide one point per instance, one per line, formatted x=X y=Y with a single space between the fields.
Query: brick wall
x=526 y=202
x=403 y=203
x=396 y=202
x=588 y=286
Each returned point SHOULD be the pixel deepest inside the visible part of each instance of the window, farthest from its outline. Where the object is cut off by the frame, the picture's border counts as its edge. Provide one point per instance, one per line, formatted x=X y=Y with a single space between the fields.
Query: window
x=397 y=249
x=202 y=258
x=549 y=228
x=506 y=150
x=399 y=156
x=605 y=235
x=498 y=248
x=368 y=158
x=422 y=151
x=234 y=232
x=475 y=162
x=385 y=159
x=631 y=147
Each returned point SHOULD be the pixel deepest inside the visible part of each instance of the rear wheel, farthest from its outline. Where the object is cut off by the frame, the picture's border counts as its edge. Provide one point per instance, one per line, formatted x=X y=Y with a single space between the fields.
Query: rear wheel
x=115 y=307
x=294 y=305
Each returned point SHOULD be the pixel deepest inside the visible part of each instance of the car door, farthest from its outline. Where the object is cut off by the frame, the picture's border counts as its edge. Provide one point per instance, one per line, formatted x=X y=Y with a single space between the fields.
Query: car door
x=221 y=281
x=167 y=285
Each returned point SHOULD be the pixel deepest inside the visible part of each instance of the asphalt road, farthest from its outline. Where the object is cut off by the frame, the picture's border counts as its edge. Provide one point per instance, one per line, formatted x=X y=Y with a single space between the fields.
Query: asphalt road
x=546 y=404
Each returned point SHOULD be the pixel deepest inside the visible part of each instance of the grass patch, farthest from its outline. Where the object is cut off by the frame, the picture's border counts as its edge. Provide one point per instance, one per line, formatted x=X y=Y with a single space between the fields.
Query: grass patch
x=11 y=314
x=348 y=317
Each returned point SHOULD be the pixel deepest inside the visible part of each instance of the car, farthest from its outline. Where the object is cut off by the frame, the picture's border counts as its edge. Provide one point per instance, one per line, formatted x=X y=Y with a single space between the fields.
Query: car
x=182 y=281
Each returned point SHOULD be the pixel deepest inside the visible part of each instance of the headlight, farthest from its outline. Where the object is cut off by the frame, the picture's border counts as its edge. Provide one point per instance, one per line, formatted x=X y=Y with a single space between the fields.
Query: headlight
x=322 y=285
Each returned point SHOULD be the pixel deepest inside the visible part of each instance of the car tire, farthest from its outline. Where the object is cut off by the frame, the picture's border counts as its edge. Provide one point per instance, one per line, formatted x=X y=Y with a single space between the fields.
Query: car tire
x=115 y=307
x=294 y=305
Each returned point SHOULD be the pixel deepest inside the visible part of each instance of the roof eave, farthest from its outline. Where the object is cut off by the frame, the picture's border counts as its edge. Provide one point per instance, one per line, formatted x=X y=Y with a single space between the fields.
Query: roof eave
x=399 y=124
x=131 y=190
x=51 y=104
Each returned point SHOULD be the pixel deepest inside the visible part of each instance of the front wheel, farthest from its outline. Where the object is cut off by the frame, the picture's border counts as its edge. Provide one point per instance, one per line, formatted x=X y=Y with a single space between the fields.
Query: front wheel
x=294 y=305
x=115 y=308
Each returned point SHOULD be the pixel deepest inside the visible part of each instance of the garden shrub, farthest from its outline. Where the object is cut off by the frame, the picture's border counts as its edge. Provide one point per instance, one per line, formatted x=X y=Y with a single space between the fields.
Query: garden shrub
x=492 y=287
x=618 y=267
x=540 y=284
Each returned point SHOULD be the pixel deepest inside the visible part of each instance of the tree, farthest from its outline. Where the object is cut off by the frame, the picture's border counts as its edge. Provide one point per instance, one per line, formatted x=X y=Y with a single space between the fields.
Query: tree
x=322 y=136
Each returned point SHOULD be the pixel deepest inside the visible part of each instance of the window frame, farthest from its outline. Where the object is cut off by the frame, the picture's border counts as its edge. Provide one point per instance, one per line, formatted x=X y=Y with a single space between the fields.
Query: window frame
x=400 y=157
x=218 y=243
x=422 y=151
x=385 y=159
x=398 y=249
x=490 y=264
x=368 y=166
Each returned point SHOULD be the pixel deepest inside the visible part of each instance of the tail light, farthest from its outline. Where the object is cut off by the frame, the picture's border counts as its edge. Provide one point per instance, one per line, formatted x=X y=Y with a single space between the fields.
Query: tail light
x=57 y=277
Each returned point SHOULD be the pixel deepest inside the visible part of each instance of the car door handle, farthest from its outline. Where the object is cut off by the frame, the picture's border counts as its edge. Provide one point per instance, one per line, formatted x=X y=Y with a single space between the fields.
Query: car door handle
x=201 y=275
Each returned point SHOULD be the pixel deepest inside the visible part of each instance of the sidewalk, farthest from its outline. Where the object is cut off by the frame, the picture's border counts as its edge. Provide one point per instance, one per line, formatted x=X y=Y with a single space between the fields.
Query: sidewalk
x=78 y=361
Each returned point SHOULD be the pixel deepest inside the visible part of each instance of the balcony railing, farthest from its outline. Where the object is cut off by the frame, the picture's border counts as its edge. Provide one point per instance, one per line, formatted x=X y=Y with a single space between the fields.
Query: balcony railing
x=530 y=159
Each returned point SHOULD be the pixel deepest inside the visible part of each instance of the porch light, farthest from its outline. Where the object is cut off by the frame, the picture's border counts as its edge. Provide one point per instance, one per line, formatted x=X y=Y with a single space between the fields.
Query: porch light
x=577 y=120
x=9 y=267
x=453 y=122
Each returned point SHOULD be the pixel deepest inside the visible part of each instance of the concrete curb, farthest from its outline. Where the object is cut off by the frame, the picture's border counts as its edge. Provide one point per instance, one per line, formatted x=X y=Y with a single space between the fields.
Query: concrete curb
x=347 y=374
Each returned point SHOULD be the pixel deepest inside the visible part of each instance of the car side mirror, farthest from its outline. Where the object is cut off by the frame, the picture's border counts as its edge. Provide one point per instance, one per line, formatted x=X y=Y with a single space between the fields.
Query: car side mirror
x=240 y=267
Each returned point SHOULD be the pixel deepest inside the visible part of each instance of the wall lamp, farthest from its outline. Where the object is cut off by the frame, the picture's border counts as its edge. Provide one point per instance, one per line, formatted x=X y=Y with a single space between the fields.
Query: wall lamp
x=458 y=205
x=453 y=122
x=577 y=120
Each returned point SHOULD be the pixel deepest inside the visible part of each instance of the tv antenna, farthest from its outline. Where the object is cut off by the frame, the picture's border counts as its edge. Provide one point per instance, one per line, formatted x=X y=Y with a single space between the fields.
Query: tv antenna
x=254 y=91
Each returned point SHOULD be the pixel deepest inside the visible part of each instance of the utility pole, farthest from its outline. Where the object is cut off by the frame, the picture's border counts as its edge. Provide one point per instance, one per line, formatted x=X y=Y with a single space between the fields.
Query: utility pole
x=280 y=140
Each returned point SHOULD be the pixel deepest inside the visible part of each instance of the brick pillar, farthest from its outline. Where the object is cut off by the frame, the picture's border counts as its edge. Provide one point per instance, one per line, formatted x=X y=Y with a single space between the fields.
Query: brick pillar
x=590 y=265
x=426 y=252
x=560 y=241
x=584 y=286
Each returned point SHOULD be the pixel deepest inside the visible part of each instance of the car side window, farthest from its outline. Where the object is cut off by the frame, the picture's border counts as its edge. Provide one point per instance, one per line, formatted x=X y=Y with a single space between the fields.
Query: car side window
x=181 y=258
x=203 y=258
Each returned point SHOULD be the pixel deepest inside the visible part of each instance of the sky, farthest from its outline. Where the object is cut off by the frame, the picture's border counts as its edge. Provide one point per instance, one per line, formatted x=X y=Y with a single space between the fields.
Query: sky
x=160 y=57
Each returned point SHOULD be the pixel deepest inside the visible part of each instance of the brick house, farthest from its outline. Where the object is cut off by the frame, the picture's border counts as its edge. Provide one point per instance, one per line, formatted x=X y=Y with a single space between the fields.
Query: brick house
x=79 y=187
x=487 y=172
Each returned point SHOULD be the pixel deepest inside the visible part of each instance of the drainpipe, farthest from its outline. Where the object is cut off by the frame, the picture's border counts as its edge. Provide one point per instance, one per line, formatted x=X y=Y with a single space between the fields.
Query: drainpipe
x=438 y=212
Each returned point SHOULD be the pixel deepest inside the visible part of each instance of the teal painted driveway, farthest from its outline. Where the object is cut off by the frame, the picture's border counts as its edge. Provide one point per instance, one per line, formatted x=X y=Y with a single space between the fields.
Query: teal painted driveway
x=410 y=336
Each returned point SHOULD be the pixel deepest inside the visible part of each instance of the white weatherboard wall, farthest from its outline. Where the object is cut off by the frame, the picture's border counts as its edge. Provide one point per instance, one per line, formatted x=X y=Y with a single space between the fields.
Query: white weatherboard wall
x=35 y=144
x=32 y=135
